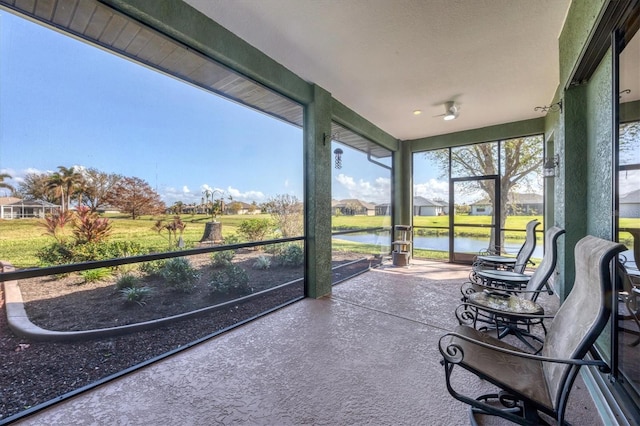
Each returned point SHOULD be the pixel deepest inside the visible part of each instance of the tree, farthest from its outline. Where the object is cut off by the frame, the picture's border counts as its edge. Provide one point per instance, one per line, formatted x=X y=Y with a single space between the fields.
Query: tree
x=286 y=211
x=519 y=158
x=96 y=186
x=36 y=186
x=177 y=207
x=4 y=184
x=64 y=183
x=234 y=207
x=135 y=196
x=213 y=206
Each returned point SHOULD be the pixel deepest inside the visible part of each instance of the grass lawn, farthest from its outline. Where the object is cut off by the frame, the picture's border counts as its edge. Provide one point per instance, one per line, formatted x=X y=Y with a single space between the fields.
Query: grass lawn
x=21 y=238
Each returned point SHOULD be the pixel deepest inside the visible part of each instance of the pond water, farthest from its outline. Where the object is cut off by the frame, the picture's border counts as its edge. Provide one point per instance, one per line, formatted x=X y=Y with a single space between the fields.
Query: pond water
x=462 y=244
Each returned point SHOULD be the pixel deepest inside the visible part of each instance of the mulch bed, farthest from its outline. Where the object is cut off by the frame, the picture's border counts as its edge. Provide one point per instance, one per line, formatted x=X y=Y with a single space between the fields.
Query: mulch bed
x=32 y=373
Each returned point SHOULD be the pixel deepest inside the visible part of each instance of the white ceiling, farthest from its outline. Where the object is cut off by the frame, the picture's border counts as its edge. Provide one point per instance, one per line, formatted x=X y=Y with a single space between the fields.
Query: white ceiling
x=498 y=59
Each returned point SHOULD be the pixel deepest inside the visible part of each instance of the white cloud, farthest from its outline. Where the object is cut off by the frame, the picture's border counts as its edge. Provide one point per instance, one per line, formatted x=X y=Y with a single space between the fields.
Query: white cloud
x=247 y=196
x=185 y=190
x=377 y=192
x=433 y=188
x=17 y=176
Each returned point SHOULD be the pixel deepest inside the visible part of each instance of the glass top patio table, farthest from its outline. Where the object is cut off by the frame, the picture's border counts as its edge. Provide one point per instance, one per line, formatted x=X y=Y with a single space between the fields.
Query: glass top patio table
x=505 y=302
x=504 y=276
x=497 y=259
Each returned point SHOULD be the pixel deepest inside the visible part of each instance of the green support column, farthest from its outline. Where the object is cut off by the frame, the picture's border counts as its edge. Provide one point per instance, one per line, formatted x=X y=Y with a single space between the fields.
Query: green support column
x=317 y=198
x=403 y=185
x=571 y=183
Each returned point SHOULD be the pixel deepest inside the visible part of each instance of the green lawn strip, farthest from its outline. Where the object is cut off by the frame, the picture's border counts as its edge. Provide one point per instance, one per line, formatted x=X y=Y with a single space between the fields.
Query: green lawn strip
x=21 y=238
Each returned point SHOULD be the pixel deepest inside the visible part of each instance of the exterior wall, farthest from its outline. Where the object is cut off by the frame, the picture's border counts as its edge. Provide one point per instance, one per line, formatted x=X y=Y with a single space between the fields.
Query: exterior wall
x=600 y=220
x=582 y=138
x=427 y=211
x=485 y=210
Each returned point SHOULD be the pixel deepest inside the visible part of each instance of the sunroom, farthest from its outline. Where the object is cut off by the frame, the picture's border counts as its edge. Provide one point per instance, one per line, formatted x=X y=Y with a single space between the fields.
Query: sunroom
x=384 y=89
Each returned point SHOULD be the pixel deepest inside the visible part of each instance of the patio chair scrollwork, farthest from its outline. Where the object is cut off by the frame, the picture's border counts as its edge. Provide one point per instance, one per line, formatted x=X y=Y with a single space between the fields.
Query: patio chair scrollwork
x=530 y=384
x=510 y=309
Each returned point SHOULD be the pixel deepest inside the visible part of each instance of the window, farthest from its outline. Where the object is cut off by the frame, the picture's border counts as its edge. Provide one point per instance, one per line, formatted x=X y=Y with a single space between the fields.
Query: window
x=360 y=204
x=129 y=160
x=470 y=187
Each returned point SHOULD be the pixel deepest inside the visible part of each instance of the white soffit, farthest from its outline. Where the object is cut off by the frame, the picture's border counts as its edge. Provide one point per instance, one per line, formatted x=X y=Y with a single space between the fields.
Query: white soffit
x=498 y=59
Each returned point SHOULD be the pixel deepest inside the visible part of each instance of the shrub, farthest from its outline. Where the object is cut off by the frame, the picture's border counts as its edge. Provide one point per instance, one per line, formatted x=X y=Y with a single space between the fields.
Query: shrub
x=231 y=278
x=292 y=255
x=61 y=253
x=105 y=250
x=55 y=222
x=136 y=294
x=55 y=254
x=262 y=262
x=88 y=227
x=180 y=275
x=153 y=267
x=93 y=275
x=255 y=229
x=127 y=281
x=232 y=239
x=222 y=258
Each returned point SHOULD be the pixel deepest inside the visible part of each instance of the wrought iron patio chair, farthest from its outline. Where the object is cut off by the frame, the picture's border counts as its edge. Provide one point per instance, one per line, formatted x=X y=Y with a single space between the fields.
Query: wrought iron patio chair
x=629 y=295
x=513 y=310
x=533 y=384
x=492 y=260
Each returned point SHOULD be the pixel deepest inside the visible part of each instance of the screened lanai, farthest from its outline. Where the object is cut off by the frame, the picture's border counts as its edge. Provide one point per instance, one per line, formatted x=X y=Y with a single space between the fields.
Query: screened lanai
x=376 y=80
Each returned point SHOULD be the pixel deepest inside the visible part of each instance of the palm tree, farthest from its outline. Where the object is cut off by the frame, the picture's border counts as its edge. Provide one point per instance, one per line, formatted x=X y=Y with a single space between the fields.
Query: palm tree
x=63 y=183
x=3 y=184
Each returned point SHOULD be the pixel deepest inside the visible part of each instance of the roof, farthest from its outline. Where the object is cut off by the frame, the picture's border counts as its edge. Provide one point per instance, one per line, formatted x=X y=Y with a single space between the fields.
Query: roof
x=30 y=203
x=515 y=198
x=4 y=201
x=351 y=202
x=421 y=201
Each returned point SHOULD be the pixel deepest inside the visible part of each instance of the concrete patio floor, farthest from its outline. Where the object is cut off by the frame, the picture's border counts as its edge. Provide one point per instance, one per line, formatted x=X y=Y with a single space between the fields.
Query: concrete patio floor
x=368 y=354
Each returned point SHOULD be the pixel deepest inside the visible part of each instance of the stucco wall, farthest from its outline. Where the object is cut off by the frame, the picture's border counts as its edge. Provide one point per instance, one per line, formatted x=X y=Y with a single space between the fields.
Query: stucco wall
x=583 y=140
x=600 y=151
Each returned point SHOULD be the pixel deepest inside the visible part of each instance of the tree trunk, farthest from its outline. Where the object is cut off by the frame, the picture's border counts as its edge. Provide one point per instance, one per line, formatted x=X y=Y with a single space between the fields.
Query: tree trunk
x=212 y=232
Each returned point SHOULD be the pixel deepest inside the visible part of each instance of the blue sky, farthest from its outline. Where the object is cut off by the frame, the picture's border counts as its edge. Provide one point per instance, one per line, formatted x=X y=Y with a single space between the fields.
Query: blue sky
x=65 y=103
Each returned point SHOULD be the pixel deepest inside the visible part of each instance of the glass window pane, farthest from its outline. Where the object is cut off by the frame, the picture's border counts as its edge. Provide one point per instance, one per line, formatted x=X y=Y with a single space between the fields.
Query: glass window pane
x=522 y=190
x=361 y=206
x=431 y=204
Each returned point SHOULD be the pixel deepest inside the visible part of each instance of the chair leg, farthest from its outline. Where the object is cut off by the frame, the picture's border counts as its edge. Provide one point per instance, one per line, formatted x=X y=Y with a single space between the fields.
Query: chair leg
x=634 y=315
x=508 y=406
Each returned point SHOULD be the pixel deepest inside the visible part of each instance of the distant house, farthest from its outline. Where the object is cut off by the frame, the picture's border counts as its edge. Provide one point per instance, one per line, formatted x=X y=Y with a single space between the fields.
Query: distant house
x=238 y=207
x=517 y=205
x=108 y=209
x=353 y=207
x=383 y=209
x=427 y=207
x=17 y=208
x=630 y=204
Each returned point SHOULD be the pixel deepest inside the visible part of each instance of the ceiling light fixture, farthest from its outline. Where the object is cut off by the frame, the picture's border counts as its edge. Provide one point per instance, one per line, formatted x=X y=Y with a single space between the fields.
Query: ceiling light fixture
x=451 y=111
x=417 y=112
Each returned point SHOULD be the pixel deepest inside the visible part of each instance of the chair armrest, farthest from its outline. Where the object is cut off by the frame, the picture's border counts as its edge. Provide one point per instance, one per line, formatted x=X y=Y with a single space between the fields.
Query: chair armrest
x=454 y=354
x=464 y=313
